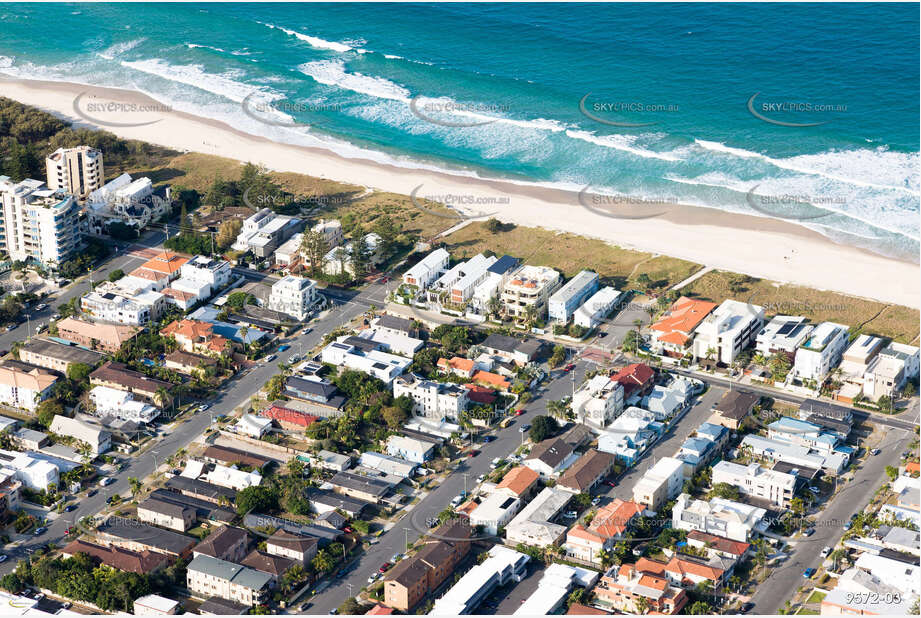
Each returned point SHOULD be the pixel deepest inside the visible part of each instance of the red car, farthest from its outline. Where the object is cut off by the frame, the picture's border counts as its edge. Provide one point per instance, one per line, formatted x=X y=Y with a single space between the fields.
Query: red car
x=519 y=412
x=384 y=567
x=473 y=453
x=570 y=367
x=611 y=483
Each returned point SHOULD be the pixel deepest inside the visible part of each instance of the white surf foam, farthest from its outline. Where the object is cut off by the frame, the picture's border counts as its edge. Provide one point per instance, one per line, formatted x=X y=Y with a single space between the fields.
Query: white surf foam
x=333 y=73
x=117 y=49
x=194 y=75
x=314 y=41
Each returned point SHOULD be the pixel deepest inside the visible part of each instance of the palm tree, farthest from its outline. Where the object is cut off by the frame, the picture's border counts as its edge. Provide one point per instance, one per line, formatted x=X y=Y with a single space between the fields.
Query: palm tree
x=244 y=331
x=530 y=315
x=135 y=485
x=641 y=605
x=494 y=306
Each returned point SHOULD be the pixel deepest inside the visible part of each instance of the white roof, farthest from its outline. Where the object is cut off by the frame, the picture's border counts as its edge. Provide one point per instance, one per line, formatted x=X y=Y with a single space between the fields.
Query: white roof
x=501 y=560
x=553 y=587
x=231 y=477
x=156 y=602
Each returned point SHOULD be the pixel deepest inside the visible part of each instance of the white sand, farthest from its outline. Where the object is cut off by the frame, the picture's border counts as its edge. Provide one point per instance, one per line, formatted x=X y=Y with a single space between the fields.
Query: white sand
x=755 y=246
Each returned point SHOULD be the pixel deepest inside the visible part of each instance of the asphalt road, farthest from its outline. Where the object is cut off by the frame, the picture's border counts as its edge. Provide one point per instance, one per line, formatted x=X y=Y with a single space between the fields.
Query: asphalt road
x=852 y=498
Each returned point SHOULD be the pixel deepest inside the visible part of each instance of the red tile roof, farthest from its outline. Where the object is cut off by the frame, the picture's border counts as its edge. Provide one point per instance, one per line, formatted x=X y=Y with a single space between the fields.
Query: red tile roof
x=458 y=363
x=634 y=377
x=612 y=519
x=379 y=610
x=681 y=319
x=166 y=262
x=287 y=415
x=518 y=480
x=493 y=379
x=719 y=543
x=480 y=394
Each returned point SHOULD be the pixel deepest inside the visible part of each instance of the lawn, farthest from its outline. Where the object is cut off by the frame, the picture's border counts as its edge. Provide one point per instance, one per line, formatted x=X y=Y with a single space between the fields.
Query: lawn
x=871 y=317
x=816 y=597
x=568 y=253
x=806 y=611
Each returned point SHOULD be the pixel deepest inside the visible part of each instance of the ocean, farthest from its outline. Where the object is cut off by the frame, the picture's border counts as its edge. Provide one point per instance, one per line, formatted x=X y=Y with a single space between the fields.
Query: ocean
x=803 y=112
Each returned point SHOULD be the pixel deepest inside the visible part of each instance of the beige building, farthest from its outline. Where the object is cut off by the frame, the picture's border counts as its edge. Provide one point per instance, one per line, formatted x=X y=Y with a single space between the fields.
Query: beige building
x=166 y=514
x=57 y=356
x=212 y=577
x=299 y=548
x=529 y=286
x=75 y=170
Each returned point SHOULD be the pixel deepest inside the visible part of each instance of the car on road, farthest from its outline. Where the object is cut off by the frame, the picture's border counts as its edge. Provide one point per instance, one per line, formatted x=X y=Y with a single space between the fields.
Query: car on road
x=746 y=607
x=295 y=358
x=495 y=463
x=488 y=439
x=40 y=531
x=506 y=422
x=596 y=500
x=41 y=307
x=809 y=531
x=570 y=514
x=814 y=489
x=847 y=526
x=56 y=316
x=105 y=481
x=611 y=483
x=284 y=347
x=396 y=557
x=92 y=493
x=569 y=367
x=524 y=428
x=3 y=558
x=875 y=451
x=826 y=551
x=374 y=577
x=383 y=568
x=270 y=358
x=519 y=412
x=204 y=407
x=808 y=572
x=69 y=508
x=473 y=453
x=334 y=611
x=308 y=330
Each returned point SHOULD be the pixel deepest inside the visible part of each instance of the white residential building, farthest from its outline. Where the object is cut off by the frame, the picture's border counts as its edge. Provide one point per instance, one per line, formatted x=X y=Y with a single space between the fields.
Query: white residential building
x=503 y=567
x=388 y=464
x=36 y=474
x=753 y=480
x=126 y=301
x=215 y=273
x=529 y=286
x=78 y=170
x=427 y=269
x=660 y=483
x=496 y=277
x=121 y=405
x=265 y=231
x=859 y=354
x=631 y=433
x=721 y=517
x=295 y=296
x=858 y=592
x=533 y=525
x=596 y=308
x=473 y=274
x=598 y=401
x=290 y=251
x=373 y=362
x=212 y=577
x=784 y=333
x=890 y=370
x=410 y=449
x=132 y=202
x=728 y=329
x=339 y=259
x=904 y=576
x=554 y=588
x=25 y=388
x=494 y=512
x=98 y=439
x=38 y=224
x=395 y=343
x=431 y=399
x=438 y=291
x=155 y=605
x=232 y=478
x=821 y=351
x=568 y=298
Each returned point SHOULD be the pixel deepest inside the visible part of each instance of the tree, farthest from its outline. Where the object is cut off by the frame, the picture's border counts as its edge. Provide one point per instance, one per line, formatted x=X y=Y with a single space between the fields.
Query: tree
x=493 y=225
x=135 y=485
x=557 y=357
x=314 y=247
x=394 y=416
x=641 y=605
x=699 y=608
x=724 y=490
x=227 y=233
x=260 y=499
x=47 y=410
x=530 y=315
x=892 y=472
x=494 y=306
x=542 y=427
x=116 y=274
x=361 y=254
x=79 y=373
x=643 y=280
x=388 y=231
x=631 y=342
x=323 y=562
x=342 y=257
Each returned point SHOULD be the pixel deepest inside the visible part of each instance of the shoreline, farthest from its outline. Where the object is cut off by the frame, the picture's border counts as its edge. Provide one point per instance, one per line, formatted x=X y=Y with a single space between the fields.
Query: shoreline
x=761 y=247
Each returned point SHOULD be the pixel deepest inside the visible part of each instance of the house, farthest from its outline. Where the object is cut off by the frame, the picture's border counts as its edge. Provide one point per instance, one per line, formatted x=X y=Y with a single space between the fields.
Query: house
x=215 y=274
x=796 y=456
x=511 y=349
x=227 y=543
x=587 y=472
x=253 y=426
x=320 y=396
x=233 y=456
x=413 y=578
x=821 y=351
x=29 y=439
x=265 y=231
x=339 y=259
x=326 y=502
x=202 y=490
x=112 y=402
x=721 y=517
x=890 y=370
x=554 y=588
x=783 y=334
x=393 y=343
x=140 y=562
x=673 y=334
x=755 y=481
x=197 y=337
x=613 y=520
x=859 y=592
x=222 y=476
x=596 y=308
x=424 y=272
x=802 y=433
x=216 y=606
x=166 y=514
x=328 y=460
x=104 y=337
x=410 y=449
x=585 y=545
x=137 y=536
x=488 y=289
x=30 y=471
x=98 y=439
x=718 y=545
x=727 y=330
x=528 y=290
x=626 y=589
x=734 y=407
x=551 y=457
x=128 y=301
x=432 y=399
x=24 y=386
x=533 y=525
x=687 y=570
x=361 y=487
x=387 y=464
x=394 y=325
x=494 y=512
x=493 y=380
x=599 y=400
x=903 y=574
x=56 y=356
x=332 y=519
x=502 y=567
x=301 y=549
x=696 y=452
x=155 y=605
x=665 y=401
x=207 y=577
x=294 y=296
x=374 y=362
x=564 y=302
x=276 y=566
x=635 y=379
x=519 y=482
x=189 y=364
x=118 y=376
x=661 y=483
x=289 y=418
x=630 y=435
x=463 y=367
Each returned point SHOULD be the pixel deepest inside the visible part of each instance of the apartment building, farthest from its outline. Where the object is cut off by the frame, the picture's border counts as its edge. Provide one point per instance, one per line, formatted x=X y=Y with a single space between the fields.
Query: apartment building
x=496 y=277
x=494 y=512
x=535 y=525
x=662 y=482
x=587 y=473
x=103 y=337
x=757 y=482
x=56 y=356
x=226 y=543
x=596 y=308
x=216 y=274
x=140 y=562
x=78 y=171
x=529 y=286
x=564 y=302
x=294 y=296
x=727 y=330
x=301 y=549
x=265 y=231
x=372 y=361
x=598 y=401
x=821 y=351
x=427 y=269
x=475 y=271
x=629 y=590
x=673 y=334
x=120 y=404
x=124 y=302
x=25 y=386
x=432 y=399
x=783 y=334
x=119 y=377
x=38 y=224
x=888 y=373
x=137 y=536
x=166 y=514
x=98 y=439
x=132 y=202
x=511 y=349
x=502 y=567
x=213 y=577
x=36 y=474
x=721 y=517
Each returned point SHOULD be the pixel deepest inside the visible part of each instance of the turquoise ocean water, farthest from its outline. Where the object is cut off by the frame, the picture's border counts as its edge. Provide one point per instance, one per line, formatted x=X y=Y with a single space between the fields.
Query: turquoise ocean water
x=648 y=100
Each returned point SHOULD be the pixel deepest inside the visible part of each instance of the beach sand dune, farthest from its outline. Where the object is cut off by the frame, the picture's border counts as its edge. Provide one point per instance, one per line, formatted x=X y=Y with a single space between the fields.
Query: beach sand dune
x=756 y=246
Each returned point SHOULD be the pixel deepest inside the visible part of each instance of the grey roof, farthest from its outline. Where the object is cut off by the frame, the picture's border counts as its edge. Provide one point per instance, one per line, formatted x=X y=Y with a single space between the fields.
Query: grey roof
x=333 y=519
x=503 y=265
x=324 y=535
x=201 y=488
x=203 y=509
x=365 y=484
x=240 y=575
x=350 y=505
x=395 y=323
x=66 y=353
x=222 y=607
x=736 y=404
x=217 y=543
x=501 y=342
x=158 y=538
x=29 y=434
x=165 y=508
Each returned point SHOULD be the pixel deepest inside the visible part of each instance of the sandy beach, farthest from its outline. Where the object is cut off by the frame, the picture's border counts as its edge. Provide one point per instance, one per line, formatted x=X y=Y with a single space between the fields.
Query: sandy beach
x=756 y=246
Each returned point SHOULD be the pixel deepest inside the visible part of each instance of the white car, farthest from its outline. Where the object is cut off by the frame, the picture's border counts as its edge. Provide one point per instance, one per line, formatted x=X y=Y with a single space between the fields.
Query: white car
x=374 y=577
x=3 y=558
x=826 y=551
x=814 y=489
x=481 y=478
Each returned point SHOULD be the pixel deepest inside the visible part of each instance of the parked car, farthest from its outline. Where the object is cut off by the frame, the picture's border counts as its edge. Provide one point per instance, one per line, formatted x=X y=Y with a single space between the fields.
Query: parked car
x=524 y=428
x=383 y=568
x=847 y=526
x=374 y=577
x=570 y=366
x=473 y=453
x=488 y=439
x=284 y=347
x=40 y=531
x=456 y=500
x=875 y=451
x=41 y=307
x=69 y=508
x=105 y=481
x=396 y=557
x=826 y=551
x=808 y=573
x=3 y=558
x=91 y=493
x=814 y=489
x=519 y=412
x=746 y=607
x=596 y=500
x=495 y=463
x=809 y=531
x=570 y=514
x=481 y=478
x=270 y=358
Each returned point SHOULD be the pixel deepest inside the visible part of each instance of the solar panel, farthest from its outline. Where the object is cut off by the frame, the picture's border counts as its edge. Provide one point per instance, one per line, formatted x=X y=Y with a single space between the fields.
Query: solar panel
x=786 y=328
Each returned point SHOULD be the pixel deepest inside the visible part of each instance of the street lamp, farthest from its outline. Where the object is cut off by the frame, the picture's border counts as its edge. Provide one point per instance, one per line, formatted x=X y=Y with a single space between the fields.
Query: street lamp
x=406 y=538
